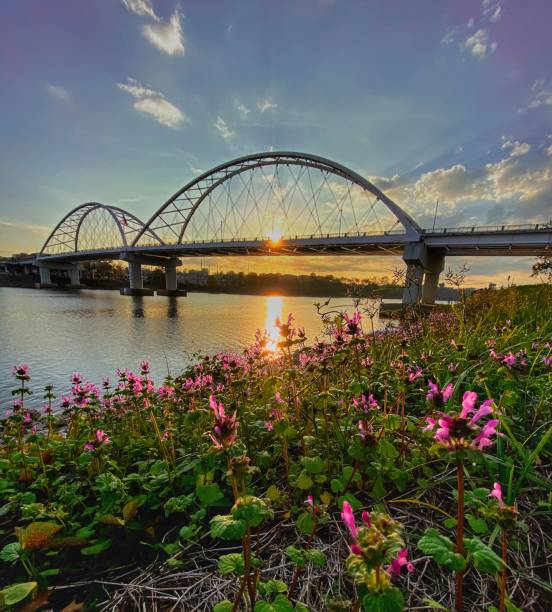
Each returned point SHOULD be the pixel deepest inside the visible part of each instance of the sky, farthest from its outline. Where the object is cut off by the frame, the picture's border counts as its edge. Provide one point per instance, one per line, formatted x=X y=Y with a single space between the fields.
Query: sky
x=124 y=101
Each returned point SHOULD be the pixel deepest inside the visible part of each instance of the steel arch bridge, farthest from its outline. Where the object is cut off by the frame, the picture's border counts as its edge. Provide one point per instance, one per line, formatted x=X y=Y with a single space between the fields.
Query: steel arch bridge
x=274 y=203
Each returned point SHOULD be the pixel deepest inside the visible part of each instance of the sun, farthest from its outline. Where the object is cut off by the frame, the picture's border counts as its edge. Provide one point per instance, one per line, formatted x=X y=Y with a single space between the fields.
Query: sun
x=275 y=236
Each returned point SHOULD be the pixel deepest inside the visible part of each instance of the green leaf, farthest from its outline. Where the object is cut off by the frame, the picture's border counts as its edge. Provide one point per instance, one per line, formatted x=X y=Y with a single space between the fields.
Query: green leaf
x=304 y=481
x=209 y=494
x=15 y=593
x=188 y=532
x=477 y=524
x=11 y=552
x=434 y=605
x=484 y=557
x=272 y=587
x=225 y=526
x=252 y=510
x=317 y=557
x=232 y=563
x=387 y=449
x=313 y=465
x=97 y=548
x=280 y=604
x=337 y=486
x=223 y=606
x=390 y=600
x=296 y=555
x=441 y=549
x=305 y=523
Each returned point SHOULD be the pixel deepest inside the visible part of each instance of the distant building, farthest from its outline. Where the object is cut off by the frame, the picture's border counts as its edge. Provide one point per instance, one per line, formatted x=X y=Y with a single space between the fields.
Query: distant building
x=194 y=277
x=492 y=285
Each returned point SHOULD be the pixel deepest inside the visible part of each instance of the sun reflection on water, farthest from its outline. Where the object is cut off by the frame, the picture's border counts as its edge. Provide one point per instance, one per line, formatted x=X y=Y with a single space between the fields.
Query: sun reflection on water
x=274 y=305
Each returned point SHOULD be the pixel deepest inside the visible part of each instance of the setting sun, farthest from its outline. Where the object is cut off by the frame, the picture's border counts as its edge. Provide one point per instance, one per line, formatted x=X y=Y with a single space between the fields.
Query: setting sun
x=275 y=236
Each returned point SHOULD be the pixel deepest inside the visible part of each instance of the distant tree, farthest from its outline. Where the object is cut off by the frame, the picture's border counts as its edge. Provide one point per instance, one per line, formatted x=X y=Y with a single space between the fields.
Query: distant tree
x=543 y=267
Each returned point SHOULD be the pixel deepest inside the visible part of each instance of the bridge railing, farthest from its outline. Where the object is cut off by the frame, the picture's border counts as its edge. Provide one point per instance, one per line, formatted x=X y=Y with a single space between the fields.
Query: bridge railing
x=477 y=229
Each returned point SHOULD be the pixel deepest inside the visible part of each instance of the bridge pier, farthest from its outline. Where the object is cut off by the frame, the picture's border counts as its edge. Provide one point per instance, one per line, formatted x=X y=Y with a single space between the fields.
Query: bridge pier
x=73 y=270
x=171 y=283
x=423 y=269
x=136 y=285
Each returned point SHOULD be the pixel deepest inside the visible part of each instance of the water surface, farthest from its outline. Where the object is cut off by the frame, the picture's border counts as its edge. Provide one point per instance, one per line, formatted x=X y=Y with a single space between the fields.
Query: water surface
x=94 y=332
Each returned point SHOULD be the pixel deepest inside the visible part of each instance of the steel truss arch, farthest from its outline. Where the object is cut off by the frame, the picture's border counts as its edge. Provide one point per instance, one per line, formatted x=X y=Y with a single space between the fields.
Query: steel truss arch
x=184 y=203
x=64 y=238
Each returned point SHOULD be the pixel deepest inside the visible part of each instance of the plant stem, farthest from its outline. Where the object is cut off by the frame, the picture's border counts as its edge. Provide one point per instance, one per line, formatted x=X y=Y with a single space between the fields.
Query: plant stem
x=502 y=575
x=459 y=602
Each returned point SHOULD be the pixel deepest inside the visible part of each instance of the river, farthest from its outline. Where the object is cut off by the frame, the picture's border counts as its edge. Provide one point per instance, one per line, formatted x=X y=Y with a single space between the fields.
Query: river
x=94 y=332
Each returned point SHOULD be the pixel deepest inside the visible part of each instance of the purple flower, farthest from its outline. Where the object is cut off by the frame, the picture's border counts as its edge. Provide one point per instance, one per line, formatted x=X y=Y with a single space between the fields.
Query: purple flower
x=497 y=494
x=401 y=561
x=348 y=517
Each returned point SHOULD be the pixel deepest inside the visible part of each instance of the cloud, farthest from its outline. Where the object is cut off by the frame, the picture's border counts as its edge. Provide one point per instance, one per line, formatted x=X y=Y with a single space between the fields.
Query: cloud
x=492 y=10
x=543 y=98
x=514 y=189
x=266 y=105
x=143 y=8
x=471 y=23
x=242 y=109
x=449 y=37
x=153 y=103
x=58 y=93
x=518 y=148
x=223 y=129
x=538 y=84
x=479 y=44
x=168 y=37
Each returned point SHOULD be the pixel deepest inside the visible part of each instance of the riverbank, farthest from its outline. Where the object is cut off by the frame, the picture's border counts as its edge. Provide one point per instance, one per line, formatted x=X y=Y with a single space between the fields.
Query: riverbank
x=237 y=479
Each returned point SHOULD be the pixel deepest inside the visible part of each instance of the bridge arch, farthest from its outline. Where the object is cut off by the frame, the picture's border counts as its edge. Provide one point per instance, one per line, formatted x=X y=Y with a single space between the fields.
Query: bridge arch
x=182 y=218
x=94 y=226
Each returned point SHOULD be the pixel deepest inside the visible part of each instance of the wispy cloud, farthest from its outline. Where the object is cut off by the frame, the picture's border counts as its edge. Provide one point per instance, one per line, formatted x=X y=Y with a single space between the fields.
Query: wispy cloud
x=153 y=103
x=242 y=109
x=449 y=37
x=266 y=105
x=222 y=128
x=143 y=8
x=517 y=148
x=167 y=37
x=492 y=10
x=479 y=44
x=58 y=93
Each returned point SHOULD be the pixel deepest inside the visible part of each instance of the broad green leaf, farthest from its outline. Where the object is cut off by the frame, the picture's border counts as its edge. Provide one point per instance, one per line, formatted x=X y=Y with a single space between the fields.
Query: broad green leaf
x=252 y=510
x=316 y=556
x=387 y=449
x=223 y=606
x=484 y=557
x=232 y=563
x=280 y=604
x=209 y=494
x=225 y=526
x=390 y=600
x=305 y=523
x=442 y=550
x=15 y=593
x=313 y=465
x=337 y=486
x=272 y=587
x=304 y=481
x=11 y=552
x=296 y=555
x=477 y=524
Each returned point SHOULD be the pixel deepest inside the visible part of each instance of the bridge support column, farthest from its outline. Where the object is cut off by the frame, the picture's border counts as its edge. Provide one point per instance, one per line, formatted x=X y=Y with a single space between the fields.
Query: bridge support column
x=45 y=278
x=135 y=280
x=423 y=268
x=171 y=284
x=74 y=277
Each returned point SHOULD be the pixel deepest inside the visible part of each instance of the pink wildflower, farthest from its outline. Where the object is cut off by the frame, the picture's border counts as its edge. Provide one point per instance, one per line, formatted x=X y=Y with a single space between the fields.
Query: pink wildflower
x=348 y=517
x=400 y=562
x=497 y=494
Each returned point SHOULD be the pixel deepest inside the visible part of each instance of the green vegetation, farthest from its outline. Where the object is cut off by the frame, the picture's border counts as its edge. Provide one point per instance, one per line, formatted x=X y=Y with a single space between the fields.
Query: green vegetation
x=406 y=468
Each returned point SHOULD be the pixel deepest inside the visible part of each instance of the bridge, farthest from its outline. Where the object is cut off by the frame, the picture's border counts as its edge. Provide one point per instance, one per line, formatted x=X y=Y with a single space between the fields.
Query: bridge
x=275 y=203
